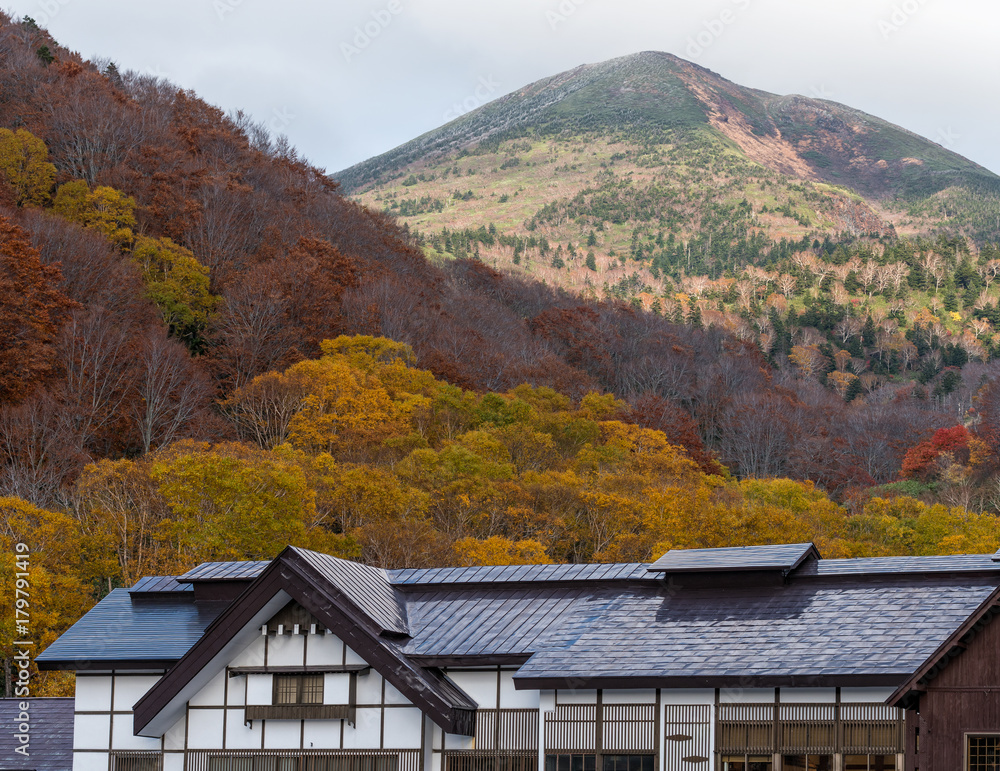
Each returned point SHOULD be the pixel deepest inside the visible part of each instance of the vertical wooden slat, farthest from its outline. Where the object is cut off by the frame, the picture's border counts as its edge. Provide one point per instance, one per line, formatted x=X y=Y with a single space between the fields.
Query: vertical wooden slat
x=854 y=729
x=692 y=721
x=302 y=760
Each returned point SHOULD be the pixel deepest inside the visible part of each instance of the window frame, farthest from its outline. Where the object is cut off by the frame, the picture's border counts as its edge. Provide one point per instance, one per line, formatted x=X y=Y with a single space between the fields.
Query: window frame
x=305 y=683
x=967 y=740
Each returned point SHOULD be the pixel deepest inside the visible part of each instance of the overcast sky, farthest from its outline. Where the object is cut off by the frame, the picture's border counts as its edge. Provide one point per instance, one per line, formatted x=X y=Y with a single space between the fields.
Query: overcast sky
x=349 y=80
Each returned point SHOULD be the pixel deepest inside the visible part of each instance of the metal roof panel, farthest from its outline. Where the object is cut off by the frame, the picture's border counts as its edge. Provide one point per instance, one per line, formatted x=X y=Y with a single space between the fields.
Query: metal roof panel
x=365 y=586
x=116 y=629
x=159 y=585
x=734 y=558
x=225 y=571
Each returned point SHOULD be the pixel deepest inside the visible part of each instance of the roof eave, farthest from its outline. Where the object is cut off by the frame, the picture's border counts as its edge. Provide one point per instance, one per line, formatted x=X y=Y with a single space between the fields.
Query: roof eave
x=105 y=665
x=821 y=680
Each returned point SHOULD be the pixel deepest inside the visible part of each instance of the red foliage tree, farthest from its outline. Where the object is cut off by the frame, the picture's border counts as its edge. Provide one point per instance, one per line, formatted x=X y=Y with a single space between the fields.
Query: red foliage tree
x=921 y=460
x=31 y=311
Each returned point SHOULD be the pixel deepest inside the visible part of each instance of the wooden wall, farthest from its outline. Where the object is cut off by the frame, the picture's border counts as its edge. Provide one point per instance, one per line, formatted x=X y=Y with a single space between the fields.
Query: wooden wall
x=963 y=698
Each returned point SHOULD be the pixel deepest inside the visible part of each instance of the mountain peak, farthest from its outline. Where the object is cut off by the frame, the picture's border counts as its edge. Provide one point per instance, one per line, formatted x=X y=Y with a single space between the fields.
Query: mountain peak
x=663 y=97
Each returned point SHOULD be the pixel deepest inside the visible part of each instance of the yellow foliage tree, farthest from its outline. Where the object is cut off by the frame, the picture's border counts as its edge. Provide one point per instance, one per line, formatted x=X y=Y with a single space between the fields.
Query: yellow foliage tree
x=343 y=407
x=104 y=209
x=24 y=161
x=232 y=501
x=177 y=284
x=498 y=550
x=40 y=563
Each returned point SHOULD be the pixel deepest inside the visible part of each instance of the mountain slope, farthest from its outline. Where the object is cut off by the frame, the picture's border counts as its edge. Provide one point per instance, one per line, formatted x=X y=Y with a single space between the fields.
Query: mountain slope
x=656 y=99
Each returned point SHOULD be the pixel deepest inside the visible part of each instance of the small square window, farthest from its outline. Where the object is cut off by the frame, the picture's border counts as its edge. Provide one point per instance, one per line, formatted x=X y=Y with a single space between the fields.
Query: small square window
x=298 y=689
x=984 y=753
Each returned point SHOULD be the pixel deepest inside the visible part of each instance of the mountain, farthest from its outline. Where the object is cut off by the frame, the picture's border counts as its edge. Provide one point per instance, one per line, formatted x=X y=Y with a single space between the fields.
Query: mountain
x=653 y=143
x=656 y=95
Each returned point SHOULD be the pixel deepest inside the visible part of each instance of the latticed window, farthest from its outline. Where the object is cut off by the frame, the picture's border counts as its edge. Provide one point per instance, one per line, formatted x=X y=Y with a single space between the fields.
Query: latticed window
x=869 y=763
x=984 y=753
x=298 y=689
x=372 y=760
x=747 y=763
x=628 y=763
x=136 y=761
x=571 y=762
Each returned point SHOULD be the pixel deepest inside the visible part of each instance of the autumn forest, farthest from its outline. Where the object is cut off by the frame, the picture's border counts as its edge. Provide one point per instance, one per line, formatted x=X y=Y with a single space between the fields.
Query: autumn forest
x=207 y=353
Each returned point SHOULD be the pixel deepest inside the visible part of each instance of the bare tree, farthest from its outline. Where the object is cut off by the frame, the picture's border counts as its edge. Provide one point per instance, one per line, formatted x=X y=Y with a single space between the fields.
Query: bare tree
x=172 y=393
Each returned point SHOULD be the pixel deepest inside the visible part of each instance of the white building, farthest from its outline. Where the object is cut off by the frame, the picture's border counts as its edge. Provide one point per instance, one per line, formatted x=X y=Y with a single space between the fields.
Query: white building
x=750 y=658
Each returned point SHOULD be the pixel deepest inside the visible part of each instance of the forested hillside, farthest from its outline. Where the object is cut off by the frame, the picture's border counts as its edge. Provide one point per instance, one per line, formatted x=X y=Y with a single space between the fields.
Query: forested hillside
x=207 y=352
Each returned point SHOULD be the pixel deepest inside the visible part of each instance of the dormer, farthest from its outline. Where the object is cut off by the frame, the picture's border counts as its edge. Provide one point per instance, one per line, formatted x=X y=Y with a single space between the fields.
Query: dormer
x=742 y=565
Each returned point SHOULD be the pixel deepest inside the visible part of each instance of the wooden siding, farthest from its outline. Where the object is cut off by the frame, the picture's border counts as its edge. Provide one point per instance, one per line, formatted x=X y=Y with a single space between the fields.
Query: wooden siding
x=963 y=698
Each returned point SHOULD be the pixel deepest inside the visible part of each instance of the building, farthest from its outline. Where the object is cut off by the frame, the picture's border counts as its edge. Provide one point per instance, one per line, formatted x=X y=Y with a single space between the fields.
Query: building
x=743 y=659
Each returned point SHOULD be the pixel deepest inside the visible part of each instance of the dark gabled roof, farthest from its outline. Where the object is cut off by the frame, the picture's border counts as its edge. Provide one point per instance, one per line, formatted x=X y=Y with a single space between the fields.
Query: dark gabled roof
x=118 y=632
x=225 y=571
x=50 y=745
x=367 y=588
x=783 y=557
x=953 y=646
x=867 y=631
x=996 y=557
x=835 y=622
x=519 y=574
x=359 y=604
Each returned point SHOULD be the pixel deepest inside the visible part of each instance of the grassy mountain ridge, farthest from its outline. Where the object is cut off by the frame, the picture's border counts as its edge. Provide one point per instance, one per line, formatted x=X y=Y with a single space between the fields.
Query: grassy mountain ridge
x=660 y=92
x=648 y=178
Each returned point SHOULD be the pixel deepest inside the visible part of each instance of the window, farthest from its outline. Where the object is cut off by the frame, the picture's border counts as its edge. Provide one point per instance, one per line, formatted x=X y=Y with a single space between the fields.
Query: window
x=747 y=763
x=571 y=763
x=807 y=762
x=496 y=761
x=298 y=689
x=628 y=763
x=136 y=761
x=869 y=763
x=251 y=761
x=984 y=753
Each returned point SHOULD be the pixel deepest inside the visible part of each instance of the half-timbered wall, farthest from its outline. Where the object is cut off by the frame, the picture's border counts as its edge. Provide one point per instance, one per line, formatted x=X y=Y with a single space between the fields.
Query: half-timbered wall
x=681 y=728
x=103 y=717
x=216 y=719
